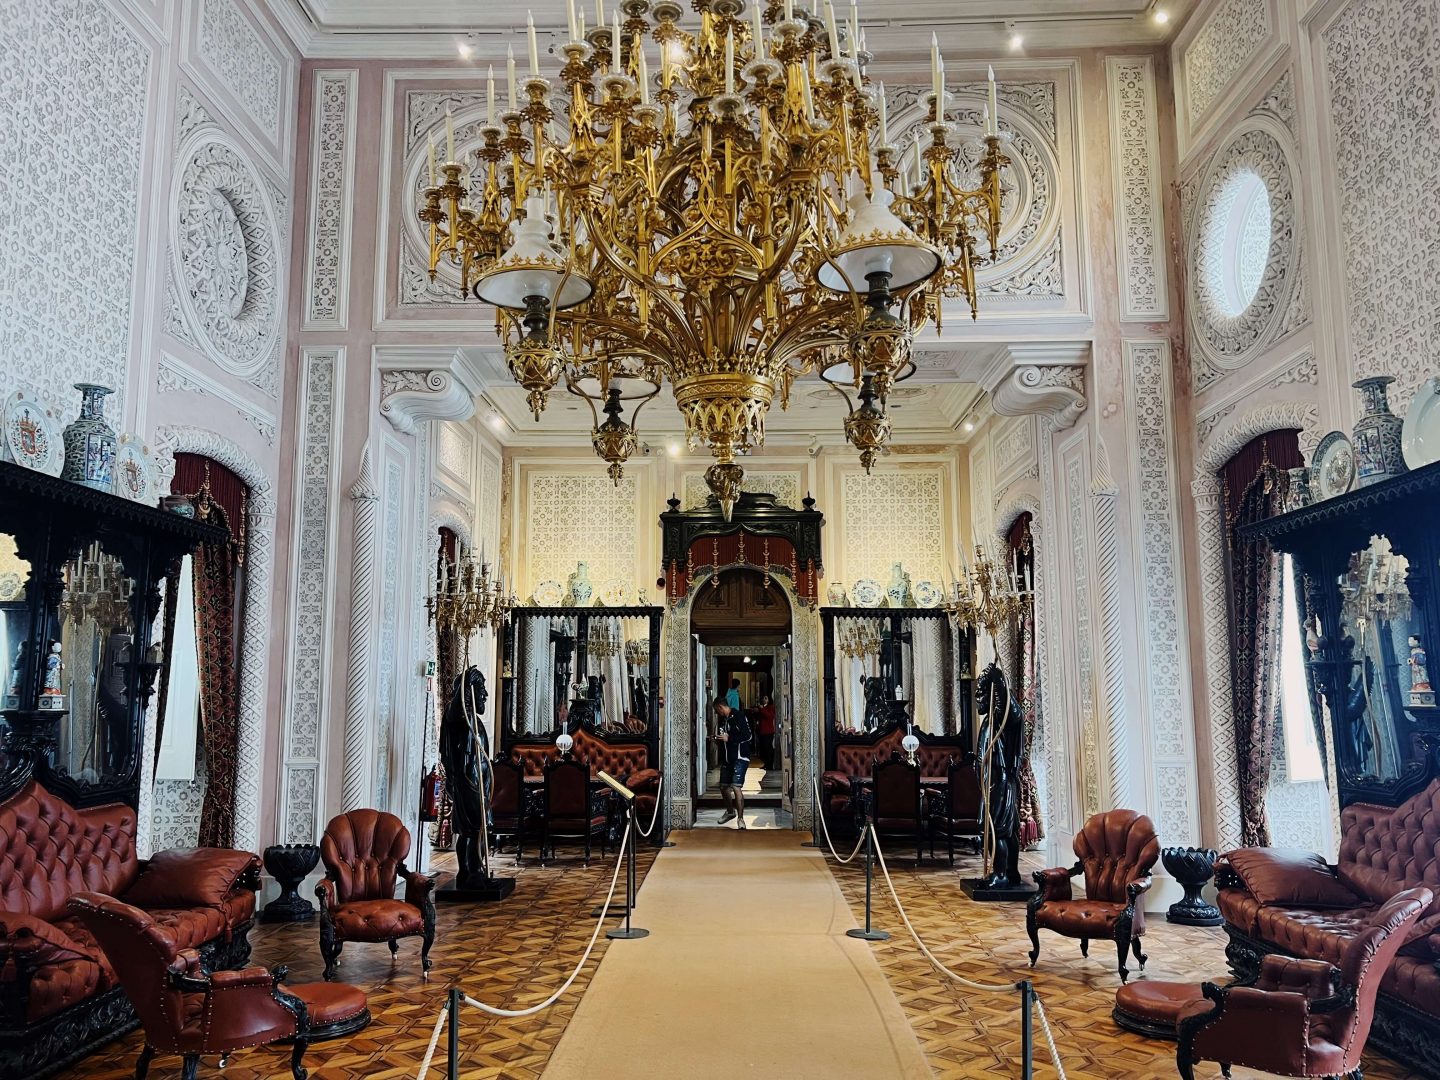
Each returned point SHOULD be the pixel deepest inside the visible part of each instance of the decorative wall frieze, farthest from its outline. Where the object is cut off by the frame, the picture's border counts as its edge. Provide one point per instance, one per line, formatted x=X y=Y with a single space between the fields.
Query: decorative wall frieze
x=1044 y=378
x=332 y=191
x=1229 y=37
x=256 y=620
x=303 y=739
x=605 y=535
x=1140 y=238
x=174 y=375
x=1301 y=371
x=357 y=784
x=1164 y=667
x=422 y=384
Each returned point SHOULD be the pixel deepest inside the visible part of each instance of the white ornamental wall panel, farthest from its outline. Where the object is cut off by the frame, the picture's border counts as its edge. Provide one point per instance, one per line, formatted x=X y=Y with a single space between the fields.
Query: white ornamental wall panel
x=1135 y=142
x=1085 y=729
x=455 y=458
x=1164 y=665
x=488 y=506
x=332 y=191
x=1381 y=70
x=1231 y=35
x=895 y=515
x=174 y=375
x=67 y=280
x=312 y=591
x=390 y=697
x=980 y=490
x=580 y=516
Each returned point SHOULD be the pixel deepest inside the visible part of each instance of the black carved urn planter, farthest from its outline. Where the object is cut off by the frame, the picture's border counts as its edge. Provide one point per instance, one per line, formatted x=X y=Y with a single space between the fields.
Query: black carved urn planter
x=288 y=864
x=1192 y=868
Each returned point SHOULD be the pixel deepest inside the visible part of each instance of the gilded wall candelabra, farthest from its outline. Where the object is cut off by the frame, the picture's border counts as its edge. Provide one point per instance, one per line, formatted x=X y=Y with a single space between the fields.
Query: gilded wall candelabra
x=467 y=599
x=989 y=593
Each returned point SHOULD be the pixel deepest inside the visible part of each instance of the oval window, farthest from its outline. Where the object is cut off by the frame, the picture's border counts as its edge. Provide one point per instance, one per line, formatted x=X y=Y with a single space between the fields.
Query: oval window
x=1243 y=219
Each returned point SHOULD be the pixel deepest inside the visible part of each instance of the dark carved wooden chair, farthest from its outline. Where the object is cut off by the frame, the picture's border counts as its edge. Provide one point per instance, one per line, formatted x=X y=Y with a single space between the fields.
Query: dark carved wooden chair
x=364 y=853
x=1115 y=851
x=572 y=810
x=895 y=802
x=510 y=814
x=956 y=811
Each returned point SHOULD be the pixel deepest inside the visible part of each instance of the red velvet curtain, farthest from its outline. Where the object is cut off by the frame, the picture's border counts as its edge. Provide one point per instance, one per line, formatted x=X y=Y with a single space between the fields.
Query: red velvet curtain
x=1021 y=546
x=1253 y=487
x=221 y=498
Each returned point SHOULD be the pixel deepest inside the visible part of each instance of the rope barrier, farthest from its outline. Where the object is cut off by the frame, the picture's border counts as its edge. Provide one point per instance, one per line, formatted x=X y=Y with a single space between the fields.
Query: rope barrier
x=989 y=988
x=659 y=789
x=434 y=1042
x=820 y=813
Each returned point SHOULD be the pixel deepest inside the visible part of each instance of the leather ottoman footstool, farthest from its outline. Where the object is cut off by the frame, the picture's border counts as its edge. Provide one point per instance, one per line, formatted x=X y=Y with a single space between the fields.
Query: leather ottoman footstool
x=1151 y=1008
x=334 y=1009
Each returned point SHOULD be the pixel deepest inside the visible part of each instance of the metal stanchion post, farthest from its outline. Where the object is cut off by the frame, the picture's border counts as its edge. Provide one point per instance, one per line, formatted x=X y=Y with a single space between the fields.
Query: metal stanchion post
x=452 y=1062
x=628 y=932
x=868 y=934
x=1027 y=1036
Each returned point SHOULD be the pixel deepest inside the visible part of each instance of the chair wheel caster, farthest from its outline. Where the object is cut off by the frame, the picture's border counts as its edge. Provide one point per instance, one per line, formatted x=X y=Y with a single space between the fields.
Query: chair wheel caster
x=224 y=1060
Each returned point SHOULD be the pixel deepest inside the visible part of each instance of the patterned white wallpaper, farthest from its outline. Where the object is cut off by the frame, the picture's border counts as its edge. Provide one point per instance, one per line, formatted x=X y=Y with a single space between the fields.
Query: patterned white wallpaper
x=575 y=517
x=67 y=126
x=785 y=486
x=895 y=515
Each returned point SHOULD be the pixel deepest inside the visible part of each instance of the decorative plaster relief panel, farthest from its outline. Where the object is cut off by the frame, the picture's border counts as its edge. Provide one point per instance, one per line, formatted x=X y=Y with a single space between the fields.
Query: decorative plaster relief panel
x=1382 y=66
x=67 y=280
x=1232 y=34
x=1015 y=453
x=785 y=486
x=332 y=188
x=1135 y=138
x=574 y=517
x=246 y=63
x=1078 y=566
x=227 y=250
x=390 y=702
x=980 y=488
x=312 y=592
x=455 y=455
x=175 y=375
x=895 y=515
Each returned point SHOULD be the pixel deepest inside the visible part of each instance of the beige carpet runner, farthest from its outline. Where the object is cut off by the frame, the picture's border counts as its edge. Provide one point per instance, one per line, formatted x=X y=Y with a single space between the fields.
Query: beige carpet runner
x=747 y=972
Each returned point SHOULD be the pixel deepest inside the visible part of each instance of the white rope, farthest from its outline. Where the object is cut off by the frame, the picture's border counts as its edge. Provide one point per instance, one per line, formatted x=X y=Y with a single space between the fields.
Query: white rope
x=820 y=813
x=434 y=1042
x=604 y=910
x=659 y=788
x=989 y=988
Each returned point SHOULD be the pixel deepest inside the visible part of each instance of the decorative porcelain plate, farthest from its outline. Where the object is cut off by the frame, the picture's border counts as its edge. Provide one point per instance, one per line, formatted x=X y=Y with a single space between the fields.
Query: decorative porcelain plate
x=1334 y=465
x=134 y=470
x=867 y=593
x=549 y=594
x=1420 y=435
x=32 y=435
x=928 y=594
x=614 y=593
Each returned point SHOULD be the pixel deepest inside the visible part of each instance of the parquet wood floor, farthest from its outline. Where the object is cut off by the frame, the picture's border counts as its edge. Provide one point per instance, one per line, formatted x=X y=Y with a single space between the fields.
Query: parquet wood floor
x=968 y=1034
x=511 y=954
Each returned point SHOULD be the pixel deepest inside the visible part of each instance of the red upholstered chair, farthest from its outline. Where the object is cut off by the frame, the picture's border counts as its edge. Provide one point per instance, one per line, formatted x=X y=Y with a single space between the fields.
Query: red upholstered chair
x=572 y=810
x=956 y=811
x=188 y=1011
x=1302 y=1017
x=895 y=801
x=364 y=852
x=1115 y=851
x=508 y=813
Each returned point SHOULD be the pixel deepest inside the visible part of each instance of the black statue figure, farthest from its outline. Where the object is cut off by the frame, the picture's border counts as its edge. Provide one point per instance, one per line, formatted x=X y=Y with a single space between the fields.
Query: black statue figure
x=877 y=702
x=465 y=753
x=998 y=754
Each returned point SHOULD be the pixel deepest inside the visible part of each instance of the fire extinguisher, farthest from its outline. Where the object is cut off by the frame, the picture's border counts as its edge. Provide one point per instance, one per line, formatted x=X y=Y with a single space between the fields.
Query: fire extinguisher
x=430 y=794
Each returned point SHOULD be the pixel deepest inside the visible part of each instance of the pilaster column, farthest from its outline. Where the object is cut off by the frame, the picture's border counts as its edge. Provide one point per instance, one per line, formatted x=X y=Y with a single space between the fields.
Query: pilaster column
x=357 y=786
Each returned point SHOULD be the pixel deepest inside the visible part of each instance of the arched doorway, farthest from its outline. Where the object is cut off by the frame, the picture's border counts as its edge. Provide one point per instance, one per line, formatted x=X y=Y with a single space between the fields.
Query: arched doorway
x=740 y=637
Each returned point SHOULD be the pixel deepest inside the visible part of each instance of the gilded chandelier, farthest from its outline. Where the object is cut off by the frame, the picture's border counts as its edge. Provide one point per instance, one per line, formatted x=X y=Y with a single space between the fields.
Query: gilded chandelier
x=467 y=598
x=731 y=224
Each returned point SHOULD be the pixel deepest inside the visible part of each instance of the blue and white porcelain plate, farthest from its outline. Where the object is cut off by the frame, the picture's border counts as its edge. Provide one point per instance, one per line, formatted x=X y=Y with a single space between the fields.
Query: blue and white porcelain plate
x=1334 y=465
x=867 y=593
x=928 y=594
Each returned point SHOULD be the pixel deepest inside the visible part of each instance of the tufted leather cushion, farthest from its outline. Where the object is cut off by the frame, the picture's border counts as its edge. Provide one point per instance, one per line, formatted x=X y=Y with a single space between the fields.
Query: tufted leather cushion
x=1313 y=978
x=362 y=851
x=49 y=851
x=1317 y=934
x=1384 y=850
x=618 y=759
x=196 y=877
x=1241 y=910
x=1155 y=1001
x=1291 y=877
x=377 y=920
x=1079 y=918
x=643 y=780
x=66 y=970
x=328 y=1002
x=1116 y=848
x=1414 y=980
x=852 y=759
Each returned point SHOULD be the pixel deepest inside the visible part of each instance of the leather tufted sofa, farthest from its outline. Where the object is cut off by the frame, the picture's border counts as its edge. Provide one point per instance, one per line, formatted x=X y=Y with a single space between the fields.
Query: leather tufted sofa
x=626 y=761
x=858 y=759
x=1294 y=905
x=1115 y=851
x=59 y=996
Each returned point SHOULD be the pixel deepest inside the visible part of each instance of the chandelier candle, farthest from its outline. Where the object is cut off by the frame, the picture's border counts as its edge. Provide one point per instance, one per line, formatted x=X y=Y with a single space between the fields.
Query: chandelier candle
x=697 y=242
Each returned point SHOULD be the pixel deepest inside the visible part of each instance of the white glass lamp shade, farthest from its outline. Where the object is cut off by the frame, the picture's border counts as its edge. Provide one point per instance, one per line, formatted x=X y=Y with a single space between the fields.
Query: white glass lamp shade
x=532 y=266
x=876 y=241
x=910 y=744
x=564 y=743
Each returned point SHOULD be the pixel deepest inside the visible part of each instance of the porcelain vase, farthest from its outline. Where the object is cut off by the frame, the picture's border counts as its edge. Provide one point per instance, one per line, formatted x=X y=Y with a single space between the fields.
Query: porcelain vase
x=90 y=441
x=1297 y=495
x=580 y=588
x=1378 y=452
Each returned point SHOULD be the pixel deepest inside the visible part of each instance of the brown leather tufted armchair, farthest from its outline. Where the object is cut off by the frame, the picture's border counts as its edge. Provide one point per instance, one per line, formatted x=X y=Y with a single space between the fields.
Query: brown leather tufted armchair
x=188 y=1011
x=364 y=852
x=1301 y=1017
x=1115 y=851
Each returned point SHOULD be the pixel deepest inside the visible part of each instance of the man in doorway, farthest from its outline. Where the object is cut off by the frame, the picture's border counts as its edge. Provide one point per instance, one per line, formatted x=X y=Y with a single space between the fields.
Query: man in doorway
x=732 y=696
x=733 y=734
